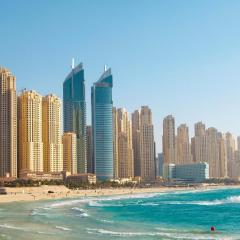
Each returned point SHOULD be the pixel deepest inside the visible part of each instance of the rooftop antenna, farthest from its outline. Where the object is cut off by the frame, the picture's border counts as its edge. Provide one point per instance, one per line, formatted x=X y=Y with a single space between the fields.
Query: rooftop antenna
x=72 y=63
x=105 y=68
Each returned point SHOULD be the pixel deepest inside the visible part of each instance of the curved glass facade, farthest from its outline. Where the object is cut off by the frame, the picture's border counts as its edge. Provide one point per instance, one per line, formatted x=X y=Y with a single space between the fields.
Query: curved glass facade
x=74 y=111
x=102 y=126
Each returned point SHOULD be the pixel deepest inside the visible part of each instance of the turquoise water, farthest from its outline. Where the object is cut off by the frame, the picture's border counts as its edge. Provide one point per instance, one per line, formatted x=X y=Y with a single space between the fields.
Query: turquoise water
x=176 y=215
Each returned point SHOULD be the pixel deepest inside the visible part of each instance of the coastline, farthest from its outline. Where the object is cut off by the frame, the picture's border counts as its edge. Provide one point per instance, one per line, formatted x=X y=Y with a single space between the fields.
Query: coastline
x=21 y=194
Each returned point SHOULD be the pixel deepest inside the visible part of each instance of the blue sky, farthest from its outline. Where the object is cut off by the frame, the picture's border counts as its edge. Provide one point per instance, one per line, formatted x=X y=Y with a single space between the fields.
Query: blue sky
x=180 y=57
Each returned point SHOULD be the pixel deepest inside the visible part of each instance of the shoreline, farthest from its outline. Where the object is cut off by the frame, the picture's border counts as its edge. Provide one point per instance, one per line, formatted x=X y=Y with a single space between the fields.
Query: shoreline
x=29 y=194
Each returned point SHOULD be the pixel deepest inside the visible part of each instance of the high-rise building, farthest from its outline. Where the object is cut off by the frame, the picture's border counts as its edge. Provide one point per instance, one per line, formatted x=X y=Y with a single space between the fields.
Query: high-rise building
x=115 y=143
x=90 y=166
x=230 y=149
x=222 y=156
x=136 y=142
x=198 y=143
x=52 y=140
x=69 y=141
x=212 y=152
x=169 y=140
x=74 y=111
x=30 y=145
x=159 y=165
x=102 y=124
x=125 y=151
x=8 y=124
x=238 y=143
x=183 y=146
x=147 y=154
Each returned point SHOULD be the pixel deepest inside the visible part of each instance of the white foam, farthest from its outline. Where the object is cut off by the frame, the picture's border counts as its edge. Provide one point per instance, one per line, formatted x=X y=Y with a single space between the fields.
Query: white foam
x=229 y=200
x=63 y=228
x=172 y=235
x=5 y=225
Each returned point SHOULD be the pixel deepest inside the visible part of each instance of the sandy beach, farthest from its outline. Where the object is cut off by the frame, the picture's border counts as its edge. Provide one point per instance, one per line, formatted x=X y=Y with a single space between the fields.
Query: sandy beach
x=60 y=192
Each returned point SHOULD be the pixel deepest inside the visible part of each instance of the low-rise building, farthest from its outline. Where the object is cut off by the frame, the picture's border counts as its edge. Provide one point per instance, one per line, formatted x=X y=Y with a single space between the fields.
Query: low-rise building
x=195 y=172
x=81 y=178
x=26 y=174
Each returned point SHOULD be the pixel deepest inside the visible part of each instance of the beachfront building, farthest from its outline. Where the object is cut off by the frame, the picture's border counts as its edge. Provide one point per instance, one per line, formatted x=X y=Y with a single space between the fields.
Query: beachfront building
x=230 y=150
x=169 y=140
x=193 y=172
x=52 y=140
x=89 y=150
x=136 y=142
x=8 y=124
x=125 y=151
x=183 y=147
x=30 y=145
x=69 y=141
x=115 y=143
x=74 y=112
x=147 y=151
x=198 y=143
x=102 y=126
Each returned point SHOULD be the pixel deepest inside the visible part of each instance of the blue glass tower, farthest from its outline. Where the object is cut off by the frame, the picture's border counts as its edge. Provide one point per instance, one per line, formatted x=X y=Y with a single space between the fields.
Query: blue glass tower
x=74 y=111
x=102 y=126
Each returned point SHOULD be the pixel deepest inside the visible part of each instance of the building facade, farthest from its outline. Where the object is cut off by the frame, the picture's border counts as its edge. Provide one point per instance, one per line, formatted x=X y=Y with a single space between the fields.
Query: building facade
x=136 y=142
x=102 y=124
x=30 y=145
x=169 y=140
x=125 y=151
x=69 y=141
x=52 y=139
x=147 y=151
x=183 y=145
x=193 y=172
x=8 y=124
x=74 y=111
x=90 y=165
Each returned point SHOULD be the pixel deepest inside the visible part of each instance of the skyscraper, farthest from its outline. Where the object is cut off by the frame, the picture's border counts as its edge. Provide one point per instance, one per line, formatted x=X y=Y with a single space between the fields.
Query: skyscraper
x=183 y=146
x=198 y=145
x=102 y=124
x=115 y=143
x=52 y=140
x=222 y=155
x=8 y=124
x=230 y=149
x=90 y=166
x=147 y=145
x=136 y=142
x=125 y=151
x=69 y=141
x=212 y=152
x=30 y=145
x=169 y=140
x=74 y=110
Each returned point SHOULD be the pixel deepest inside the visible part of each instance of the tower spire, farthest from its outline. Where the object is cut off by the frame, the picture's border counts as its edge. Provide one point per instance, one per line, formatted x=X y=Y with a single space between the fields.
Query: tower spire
x=72 y=63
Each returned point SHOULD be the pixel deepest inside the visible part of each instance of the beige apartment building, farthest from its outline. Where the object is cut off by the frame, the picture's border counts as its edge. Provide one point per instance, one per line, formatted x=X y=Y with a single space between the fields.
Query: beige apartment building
x=169 y=140
x=69 y=140
x=115 y=143
x=147 y=145
x=51 y=133
x=30 y=145
x=8 y=124
x=136 y=142
x=183 y=145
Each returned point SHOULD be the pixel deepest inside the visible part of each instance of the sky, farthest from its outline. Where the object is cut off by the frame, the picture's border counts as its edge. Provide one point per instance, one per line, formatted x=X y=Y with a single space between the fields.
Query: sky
x=179 y=57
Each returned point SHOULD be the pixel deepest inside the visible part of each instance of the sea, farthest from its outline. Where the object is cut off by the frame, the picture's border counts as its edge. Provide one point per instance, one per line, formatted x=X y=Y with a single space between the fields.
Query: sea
x=170 y=215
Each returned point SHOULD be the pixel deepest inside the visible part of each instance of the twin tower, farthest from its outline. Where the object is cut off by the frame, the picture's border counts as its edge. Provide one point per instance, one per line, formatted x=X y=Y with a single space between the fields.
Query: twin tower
x=74 y=118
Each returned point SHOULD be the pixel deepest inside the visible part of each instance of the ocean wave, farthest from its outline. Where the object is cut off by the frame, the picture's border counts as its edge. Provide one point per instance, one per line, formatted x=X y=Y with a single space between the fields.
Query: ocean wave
x=63 y=228
x=229 y=200
x=166 y=234
x=5 y=225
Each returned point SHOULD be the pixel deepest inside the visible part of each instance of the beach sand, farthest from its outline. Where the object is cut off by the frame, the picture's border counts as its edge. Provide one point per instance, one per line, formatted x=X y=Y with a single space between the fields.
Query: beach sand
x=61 y=192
